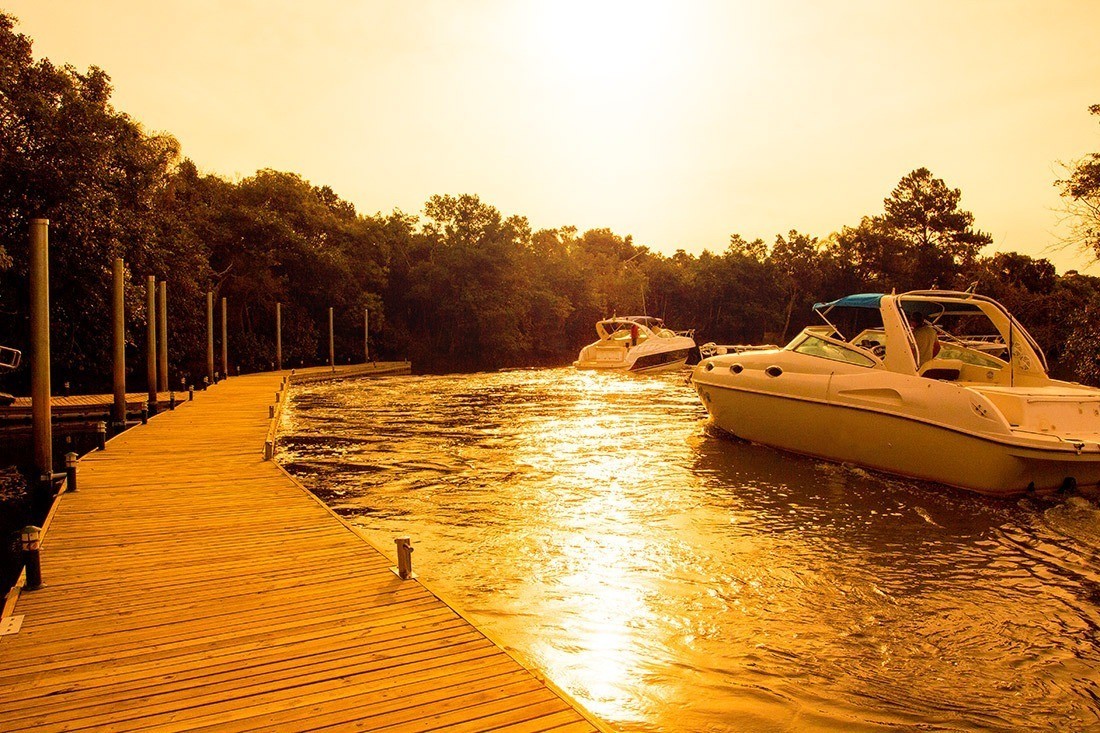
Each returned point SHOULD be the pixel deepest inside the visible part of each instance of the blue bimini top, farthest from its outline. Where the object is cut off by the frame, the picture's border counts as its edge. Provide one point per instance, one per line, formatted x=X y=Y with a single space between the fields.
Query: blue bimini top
x=859 y=300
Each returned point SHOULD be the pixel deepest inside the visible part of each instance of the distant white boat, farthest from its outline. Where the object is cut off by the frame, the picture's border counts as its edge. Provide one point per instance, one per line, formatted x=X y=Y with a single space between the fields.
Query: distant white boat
x=866 y=388
x=636 y=344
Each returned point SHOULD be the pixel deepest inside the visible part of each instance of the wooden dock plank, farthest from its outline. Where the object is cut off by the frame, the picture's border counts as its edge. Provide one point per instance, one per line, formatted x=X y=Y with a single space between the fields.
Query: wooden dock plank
x=192 y=585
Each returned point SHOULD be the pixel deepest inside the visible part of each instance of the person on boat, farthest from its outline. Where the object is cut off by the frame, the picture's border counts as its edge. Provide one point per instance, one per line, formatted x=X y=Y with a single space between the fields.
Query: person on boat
x=925 y=336
x=633 y=334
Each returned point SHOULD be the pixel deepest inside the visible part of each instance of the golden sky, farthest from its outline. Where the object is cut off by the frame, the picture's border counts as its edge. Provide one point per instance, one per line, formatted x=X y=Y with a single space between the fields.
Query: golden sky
x=677 y=122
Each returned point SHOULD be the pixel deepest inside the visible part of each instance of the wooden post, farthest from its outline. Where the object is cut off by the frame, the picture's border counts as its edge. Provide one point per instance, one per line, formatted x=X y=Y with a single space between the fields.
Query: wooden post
x=225 y=358
x=279 y=336
x=366 y=335
x=151 y=341
x=40 y=345
x=118 y=341
x=162 y=346
x=331 y=349
x=209 y=337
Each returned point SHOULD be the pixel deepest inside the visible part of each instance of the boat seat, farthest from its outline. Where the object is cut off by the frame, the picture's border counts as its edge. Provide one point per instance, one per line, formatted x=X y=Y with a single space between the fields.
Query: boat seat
x=948 y=369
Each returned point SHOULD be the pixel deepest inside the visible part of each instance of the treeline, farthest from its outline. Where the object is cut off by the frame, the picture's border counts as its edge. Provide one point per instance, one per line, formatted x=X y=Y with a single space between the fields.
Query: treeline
x=459 y=287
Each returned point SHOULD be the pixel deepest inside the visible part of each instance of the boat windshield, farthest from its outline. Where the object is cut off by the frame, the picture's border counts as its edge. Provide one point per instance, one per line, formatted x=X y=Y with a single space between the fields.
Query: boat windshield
x=817 y=346
x=964 y=331
x=620 y=328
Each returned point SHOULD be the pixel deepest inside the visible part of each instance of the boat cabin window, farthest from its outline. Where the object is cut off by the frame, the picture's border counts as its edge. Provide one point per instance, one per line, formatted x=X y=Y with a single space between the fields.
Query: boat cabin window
x=816 y=346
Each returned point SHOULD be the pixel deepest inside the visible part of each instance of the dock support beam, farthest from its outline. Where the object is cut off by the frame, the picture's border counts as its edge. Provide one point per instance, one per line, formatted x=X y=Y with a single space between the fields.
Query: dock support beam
x=151 y=341
x=40 y=345
x=366 y=335
x=331 y=343
x=162 y=329
x=118 y=344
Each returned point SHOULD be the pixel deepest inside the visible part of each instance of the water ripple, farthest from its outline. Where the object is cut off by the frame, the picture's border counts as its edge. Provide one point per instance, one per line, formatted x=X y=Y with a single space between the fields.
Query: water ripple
x=674 y=579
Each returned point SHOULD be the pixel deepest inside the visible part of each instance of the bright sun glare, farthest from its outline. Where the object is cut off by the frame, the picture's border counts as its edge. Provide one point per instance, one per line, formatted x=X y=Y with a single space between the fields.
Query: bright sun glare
x=603 y=42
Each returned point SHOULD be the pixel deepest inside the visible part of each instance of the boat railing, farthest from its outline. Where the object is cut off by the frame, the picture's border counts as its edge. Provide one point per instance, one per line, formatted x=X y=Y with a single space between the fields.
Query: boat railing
x=712 y=349
x=9 y=358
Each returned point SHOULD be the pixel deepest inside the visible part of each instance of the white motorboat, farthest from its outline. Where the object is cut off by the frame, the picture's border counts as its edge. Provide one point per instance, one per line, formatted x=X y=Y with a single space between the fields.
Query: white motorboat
x=858 y=390
x=637 y=344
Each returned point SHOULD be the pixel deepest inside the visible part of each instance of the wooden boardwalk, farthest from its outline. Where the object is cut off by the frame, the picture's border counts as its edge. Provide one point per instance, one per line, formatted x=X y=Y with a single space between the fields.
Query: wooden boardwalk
x=190 y=585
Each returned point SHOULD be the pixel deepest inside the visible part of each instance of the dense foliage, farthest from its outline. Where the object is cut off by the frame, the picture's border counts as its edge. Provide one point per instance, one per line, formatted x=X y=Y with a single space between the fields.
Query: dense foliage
x=460 y=286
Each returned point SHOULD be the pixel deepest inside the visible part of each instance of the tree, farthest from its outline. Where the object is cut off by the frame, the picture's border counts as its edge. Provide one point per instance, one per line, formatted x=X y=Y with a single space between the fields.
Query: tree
x=937 y=237
x=922 y=240
x=1082 y=194
x=67 y=155
x=797 y=262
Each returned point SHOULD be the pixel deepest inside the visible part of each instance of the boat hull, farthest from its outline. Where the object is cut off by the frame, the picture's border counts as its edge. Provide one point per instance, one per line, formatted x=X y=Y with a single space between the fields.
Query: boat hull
x=897 y=444
x=655 y=356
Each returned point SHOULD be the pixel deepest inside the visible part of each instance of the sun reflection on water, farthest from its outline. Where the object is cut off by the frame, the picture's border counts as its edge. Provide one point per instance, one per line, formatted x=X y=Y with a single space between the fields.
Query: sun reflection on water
x=673 y=580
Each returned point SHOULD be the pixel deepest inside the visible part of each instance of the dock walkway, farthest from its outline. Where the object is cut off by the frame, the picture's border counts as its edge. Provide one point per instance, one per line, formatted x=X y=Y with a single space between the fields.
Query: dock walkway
x=191 y=585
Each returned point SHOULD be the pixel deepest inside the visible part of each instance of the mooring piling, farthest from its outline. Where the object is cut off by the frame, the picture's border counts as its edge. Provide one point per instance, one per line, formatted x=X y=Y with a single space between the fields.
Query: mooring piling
x=151 y=341
x=331 y=343
x=162 y=333
x=40 y=345
x=209 y=337
x=225 y=351
x=118 y=343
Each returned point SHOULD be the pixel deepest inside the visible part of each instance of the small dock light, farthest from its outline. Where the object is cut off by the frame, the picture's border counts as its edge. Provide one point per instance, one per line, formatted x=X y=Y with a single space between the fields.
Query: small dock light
x=404 y=569
x=31 y=538
x=70 y=471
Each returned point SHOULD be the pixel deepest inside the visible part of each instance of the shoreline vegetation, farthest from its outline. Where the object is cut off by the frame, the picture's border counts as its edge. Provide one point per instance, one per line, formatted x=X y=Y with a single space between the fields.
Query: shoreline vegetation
x=458 y=287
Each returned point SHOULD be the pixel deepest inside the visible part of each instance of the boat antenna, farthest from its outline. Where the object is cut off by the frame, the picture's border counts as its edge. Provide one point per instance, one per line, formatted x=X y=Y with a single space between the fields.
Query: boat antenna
x=1011 y=356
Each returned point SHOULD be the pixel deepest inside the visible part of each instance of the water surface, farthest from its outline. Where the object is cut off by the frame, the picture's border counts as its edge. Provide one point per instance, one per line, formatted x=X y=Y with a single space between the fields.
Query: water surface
x=673 y=579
